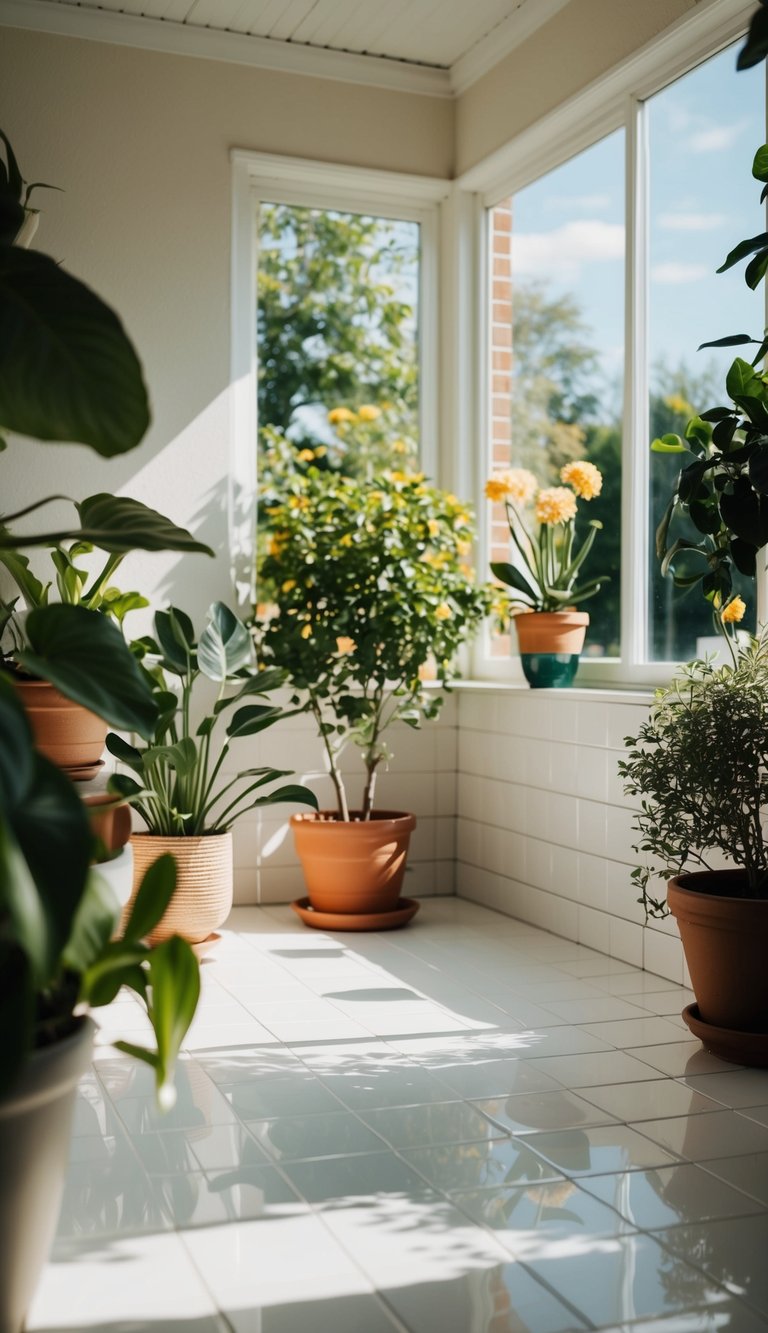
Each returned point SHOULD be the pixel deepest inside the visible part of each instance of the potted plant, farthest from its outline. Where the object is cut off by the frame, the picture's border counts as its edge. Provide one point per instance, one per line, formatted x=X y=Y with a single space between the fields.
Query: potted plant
x=700 y=769
x=58 y=959
x=68 y=372
x=544 y=572
x=366 y=592
x=176 y=789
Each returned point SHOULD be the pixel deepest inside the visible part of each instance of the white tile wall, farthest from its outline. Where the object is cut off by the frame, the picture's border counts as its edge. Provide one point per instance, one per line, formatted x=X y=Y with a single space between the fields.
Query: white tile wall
x=544 y=830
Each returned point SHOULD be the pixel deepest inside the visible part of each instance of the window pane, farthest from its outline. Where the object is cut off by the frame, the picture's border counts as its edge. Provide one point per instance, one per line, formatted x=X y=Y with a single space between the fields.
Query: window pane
x=703 y=132
x=338 y=337
x=557 y=345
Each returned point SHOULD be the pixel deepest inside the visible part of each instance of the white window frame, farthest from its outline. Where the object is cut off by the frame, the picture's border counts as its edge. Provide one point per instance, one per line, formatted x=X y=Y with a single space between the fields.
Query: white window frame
x=265 y=178
x=614 y=102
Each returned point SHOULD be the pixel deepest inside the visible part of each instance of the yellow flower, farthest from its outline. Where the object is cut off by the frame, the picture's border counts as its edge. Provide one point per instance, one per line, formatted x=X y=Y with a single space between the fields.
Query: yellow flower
x=306 y=455
x=288 y=585
x=585 y=479
x=399 y=447
x=368 y=412
x=306 y=631
x=517 y=483
x=320 y=451
x=677 y=403
x=298 y=502
x=433 y=527
x=345 y=645
x=464 y=547
x=733 y=612
x=556 y=504
x=443 y=612
x=276 y=544
x=338 y=415
x=346 y=540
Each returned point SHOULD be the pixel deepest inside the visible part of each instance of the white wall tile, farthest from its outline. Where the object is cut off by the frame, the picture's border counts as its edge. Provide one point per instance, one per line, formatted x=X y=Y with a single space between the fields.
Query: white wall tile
x=663 y=954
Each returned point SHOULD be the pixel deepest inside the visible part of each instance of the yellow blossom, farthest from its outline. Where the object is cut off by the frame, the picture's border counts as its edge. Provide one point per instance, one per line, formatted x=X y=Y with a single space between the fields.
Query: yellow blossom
x=368 y=412
x=677 y=403
x=298 y=502
x=288 y=585
x=346 y=539
x=433 y=527
x=345 y=645
x=734 y=611
x=516 y=483
x=584 y=478
x=306 y=455
x=338 y=415
x=556 y=504
x=399 y=447
x=443 y=612
x=320 y=451
x=306 y=631
x=466 y=570
x=276 y=544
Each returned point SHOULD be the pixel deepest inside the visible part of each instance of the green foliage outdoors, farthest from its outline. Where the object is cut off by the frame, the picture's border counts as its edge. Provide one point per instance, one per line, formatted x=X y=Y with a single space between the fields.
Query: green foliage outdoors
x=365 y=589
x=699 y=767
x=178 y=792
x=58 y=919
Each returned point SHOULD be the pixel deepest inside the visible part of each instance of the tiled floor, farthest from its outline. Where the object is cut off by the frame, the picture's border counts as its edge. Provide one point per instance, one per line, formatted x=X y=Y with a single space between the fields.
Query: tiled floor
x=464 y=1127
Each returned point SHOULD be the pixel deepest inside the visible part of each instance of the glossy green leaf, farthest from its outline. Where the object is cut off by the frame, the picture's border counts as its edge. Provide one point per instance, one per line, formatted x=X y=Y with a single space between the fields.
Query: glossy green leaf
x=32 y=590
x=85 y=656
x=176 y=637
x=669 y=444
x=760 y=164
x=225 y=644
x=755 y=47
x=155 y=893
x=743 y=249
x=741 y=380
x=175 y=988
x=117 y=523
x=252 y=719
x=57 y=333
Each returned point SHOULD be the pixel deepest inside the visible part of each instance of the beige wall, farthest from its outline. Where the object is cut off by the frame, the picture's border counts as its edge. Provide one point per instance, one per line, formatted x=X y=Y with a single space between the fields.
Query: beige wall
x=140 y=143
x=583 y=41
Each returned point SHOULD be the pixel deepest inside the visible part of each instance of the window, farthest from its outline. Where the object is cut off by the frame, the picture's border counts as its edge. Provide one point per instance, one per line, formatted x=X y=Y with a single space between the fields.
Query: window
x=334 y=324
x=601 y=285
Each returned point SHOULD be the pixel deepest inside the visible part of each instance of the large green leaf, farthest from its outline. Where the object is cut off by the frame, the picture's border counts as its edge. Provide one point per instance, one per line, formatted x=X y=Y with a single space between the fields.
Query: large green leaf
x=95 y=920
x=263 y=682
x=225 y=644
x=743 y=249
x=253 y=718
x=176 y=637
x=17 y=1005
x=85 y=656
x=32 y=590
x=174 y=977
x=755 y=47
x=155 y=892
x=741 y=380
x=117 y=523
x=68 y=370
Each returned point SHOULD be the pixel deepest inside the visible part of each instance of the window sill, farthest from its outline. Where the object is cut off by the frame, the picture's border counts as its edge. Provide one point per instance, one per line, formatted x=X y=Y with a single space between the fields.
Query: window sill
x=598 y=693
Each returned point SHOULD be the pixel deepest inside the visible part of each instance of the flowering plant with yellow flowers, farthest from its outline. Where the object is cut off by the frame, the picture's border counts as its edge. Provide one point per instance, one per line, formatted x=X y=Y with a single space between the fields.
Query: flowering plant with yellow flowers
x=365 y=591
x=546 y=559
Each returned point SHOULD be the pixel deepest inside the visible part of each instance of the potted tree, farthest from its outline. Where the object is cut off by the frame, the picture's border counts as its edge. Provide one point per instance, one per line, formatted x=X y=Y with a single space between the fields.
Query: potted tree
x=368 y=593
x=545 y=569
x=188 y=809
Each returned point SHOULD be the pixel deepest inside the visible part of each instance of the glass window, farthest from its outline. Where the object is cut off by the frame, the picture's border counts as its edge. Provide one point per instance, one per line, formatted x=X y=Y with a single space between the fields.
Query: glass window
x=557 y=348
x=703 y=131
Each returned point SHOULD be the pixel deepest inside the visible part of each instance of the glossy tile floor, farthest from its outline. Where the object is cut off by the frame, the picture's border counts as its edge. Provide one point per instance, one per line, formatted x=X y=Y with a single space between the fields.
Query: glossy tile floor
x=469 y=1126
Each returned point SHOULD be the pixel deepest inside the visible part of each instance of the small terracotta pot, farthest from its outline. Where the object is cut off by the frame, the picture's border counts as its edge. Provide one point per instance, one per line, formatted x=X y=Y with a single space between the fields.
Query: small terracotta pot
x=723 y=937
x=66 y=733
x=551 y=631
x=353 y=866
x=203 y=897
x=109 y=818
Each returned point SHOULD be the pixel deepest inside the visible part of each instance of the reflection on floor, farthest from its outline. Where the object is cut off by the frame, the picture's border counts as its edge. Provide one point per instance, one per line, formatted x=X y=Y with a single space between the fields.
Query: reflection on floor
x=469 y=1126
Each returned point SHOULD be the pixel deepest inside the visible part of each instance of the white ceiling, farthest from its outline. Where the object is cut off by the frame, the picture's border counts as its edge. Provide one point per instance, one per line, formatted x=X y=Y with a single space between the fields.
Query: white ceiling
x=444 y=44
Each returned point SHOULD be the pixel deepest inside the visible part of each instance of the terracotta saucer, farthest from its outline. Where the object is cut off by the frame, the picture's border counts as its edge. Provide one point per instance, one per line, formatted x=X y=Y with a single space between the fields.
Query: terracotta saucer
x=83 y=772
x=403 y=913
x=741 y=1048
x=204 y=947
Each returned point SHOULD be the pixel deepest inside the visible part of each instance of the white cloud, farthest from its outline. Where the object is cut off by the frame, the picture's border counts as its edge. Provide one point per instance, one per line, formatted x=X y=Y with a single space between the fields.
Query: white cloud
x=692 y=221
x=717 y=137
x=564 y=250
x=672 y=274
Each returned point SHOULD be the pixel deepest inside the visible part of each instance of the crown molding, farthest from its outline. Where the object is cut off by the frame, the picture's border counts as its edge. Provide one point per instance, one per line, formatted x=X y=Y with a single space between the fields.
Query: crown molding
x=501 y=40
x=173 y=38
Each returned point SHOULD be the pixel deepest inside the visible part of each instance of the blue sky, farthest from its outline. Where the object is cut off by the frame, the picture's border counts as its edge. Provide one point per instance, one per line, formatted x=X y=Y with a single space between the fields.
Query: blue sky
x=569 y=230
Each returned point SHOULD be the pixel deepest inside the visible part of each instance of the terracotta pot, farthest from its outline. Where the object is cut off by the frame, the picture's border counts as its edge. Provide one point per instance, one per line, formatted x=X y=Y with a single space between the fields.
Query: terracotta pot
x=724 y=939
x=109 y=818
x=65 y=732
x=550 y=643
x=353 y=867
x=203 y=897
x=35 y=1131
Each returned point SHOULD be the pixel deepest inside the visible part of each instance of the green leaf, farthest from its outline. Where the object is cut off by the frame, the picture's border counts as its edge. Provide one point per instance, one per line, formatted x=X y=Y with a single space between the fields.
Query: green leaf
x=127 y=754
x=30 y=587
x=743 y=249
x=225 y=644
x=119 y=964
x=733 y=340
x=263 y=682
x=85 y=656
x=514 y=577
x=181 y=756
x=742 y=381
x=755 y=47
x=755 y=270
x=155 y=893
x=68 y=371
x=253 y=718
x=95 y=920
x=176 y=636
x=21 y=903
x=744 y=557
x=17 y=1007
x=119 y=524
x=758 y=468
x=746 y=514
x=669 y=444
x=760 y=164
x=175 y=985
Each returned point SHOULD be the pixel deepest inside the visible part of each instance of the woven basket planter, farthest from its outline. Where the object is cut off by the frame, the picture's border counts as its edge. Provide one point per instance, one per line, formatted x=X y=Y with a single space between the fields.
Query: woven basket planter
x=203 y=897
